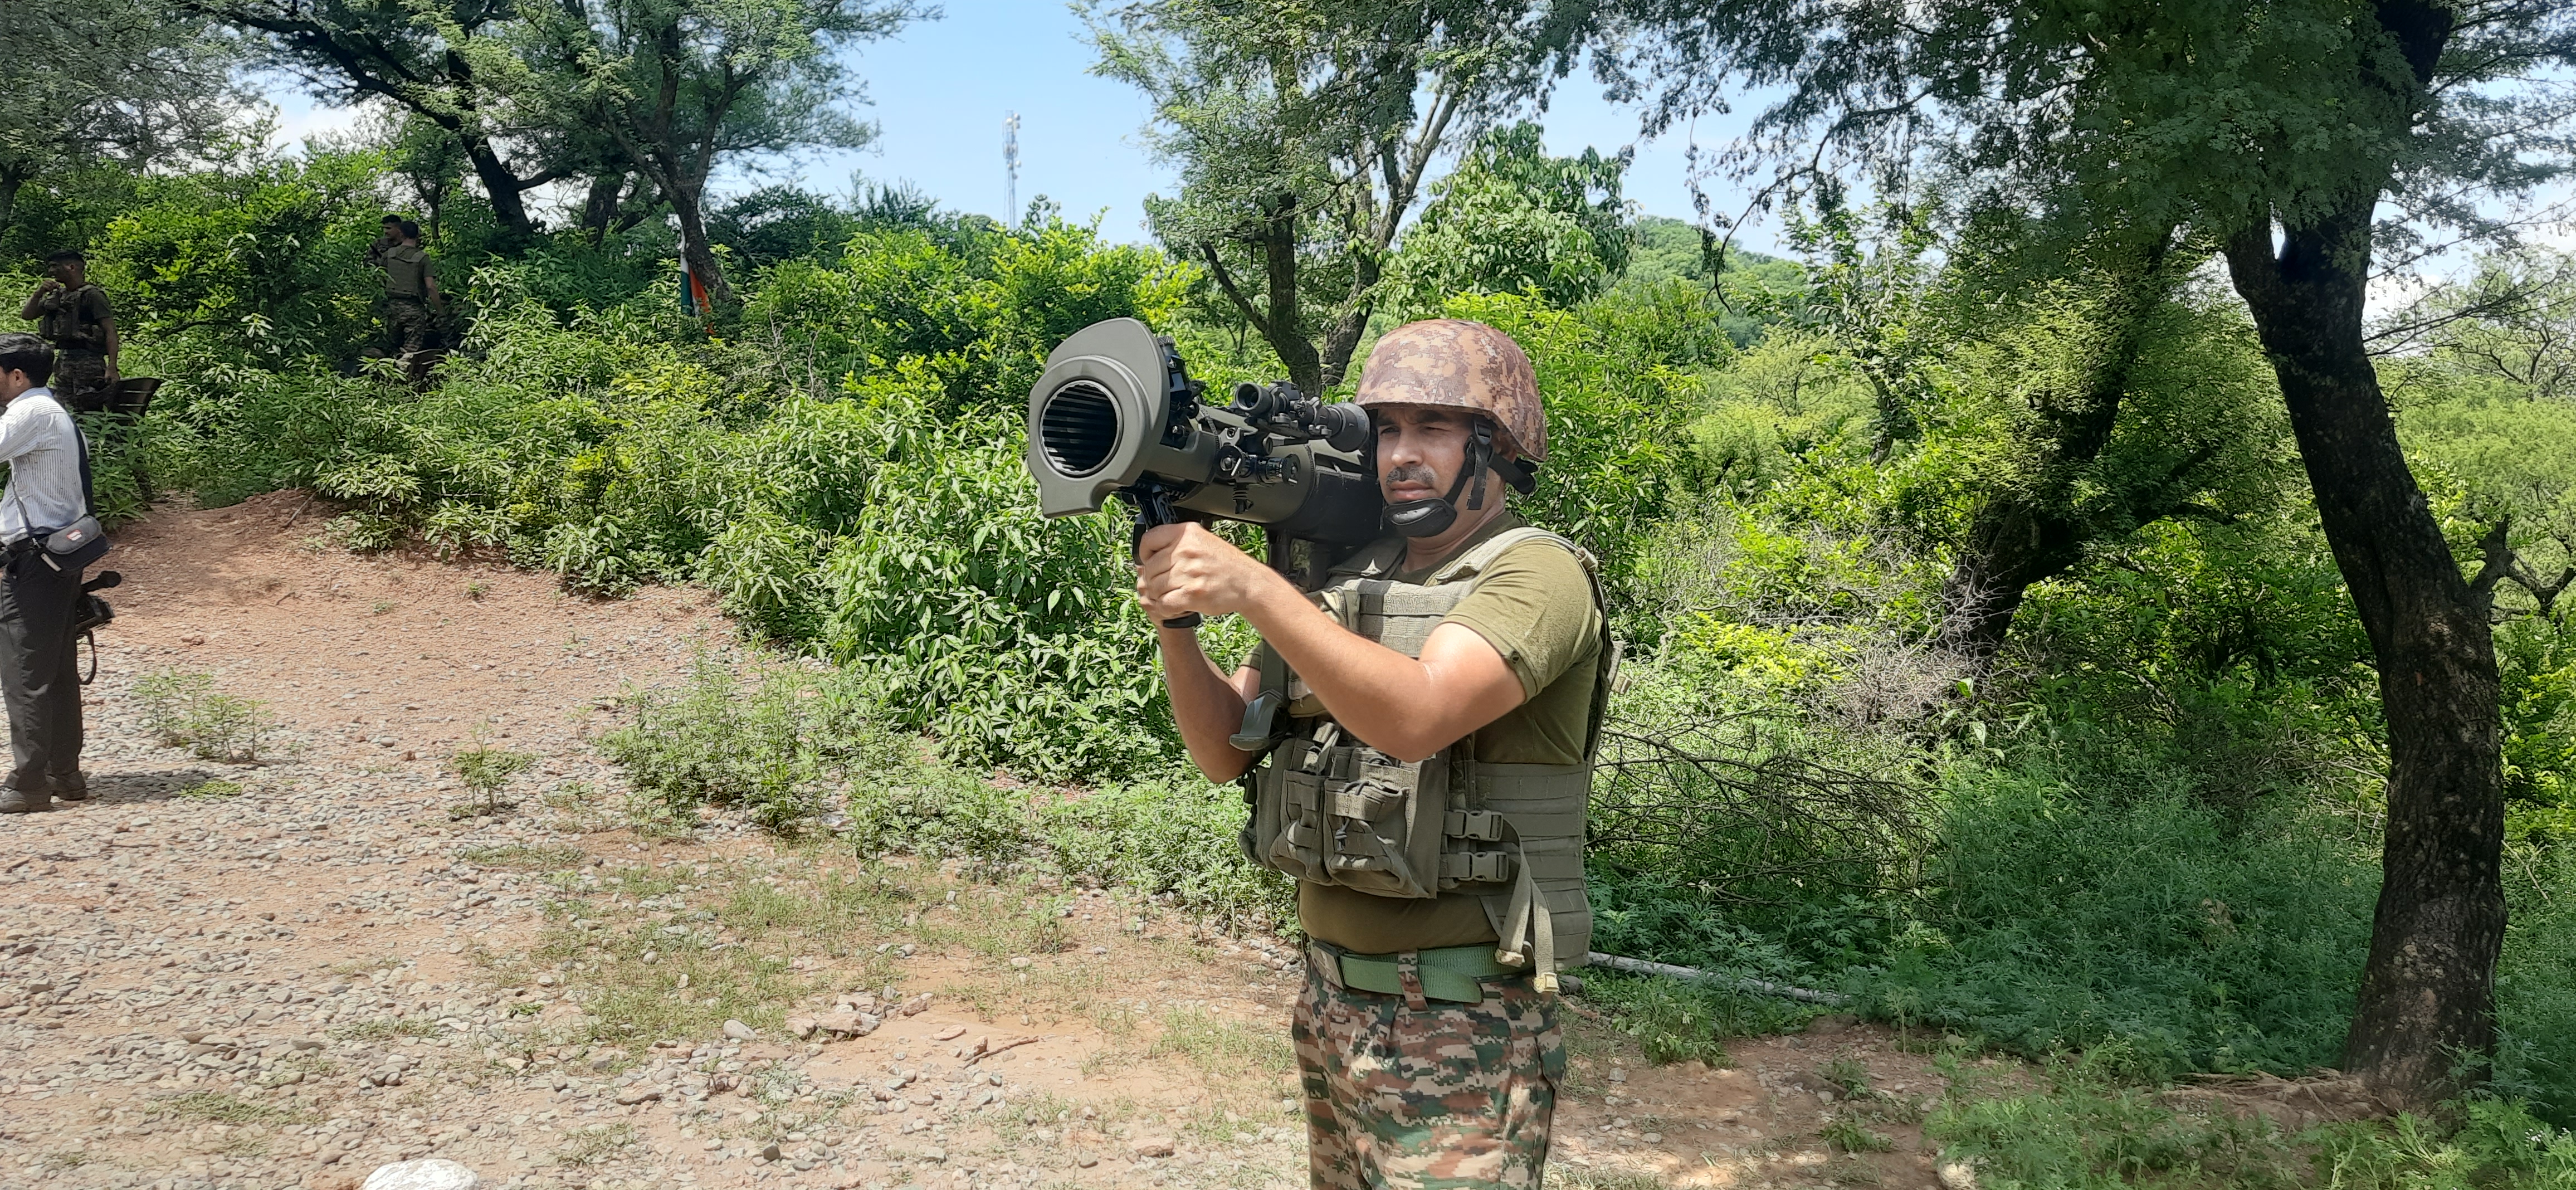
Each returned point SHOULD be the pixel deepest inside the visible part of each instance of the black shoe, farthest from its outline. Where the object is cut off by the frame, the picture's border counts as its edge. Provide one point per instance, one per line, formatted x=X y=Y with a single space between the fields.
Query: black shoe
x=19 y=801
x=71 y=787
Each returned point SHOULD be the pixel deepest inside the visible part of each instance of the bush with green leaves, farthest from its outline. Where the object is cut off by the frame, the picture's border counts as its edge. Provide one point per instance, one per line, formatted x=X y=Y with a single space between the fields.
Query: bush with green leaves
x=485 y=770
x=1177 y=836
x=182 y=709
x=2069 y=908
x=778 y=742
x=1011 y=638
x=804 y=750
x=2092 y=1127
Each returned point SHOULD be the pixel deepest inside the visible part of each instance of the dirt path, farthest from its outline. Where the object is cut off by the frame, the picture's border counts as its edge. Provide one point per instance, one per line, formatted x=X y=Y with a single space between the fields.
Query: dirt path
x=283 y=974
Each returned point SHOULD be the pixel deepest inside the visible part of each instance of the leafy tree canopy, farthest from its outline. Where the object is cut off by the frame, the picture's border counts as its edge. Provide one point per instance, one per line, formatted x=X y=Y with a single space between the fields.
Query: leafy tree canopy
x=1511 y=217
x=1305 y=133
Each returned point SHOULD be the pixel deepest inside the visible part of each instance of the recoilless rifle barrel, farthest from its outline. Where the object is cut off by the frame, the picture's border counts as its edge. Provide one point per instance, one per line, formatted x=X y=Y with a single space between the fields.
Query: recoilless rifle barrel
x=1117 y=415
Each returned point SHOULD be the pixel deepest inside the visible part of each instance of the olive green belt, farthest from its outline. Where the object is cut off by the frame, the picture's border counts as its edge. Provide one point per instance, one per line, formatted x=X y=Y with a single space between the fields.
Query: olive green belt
x=1448 y=972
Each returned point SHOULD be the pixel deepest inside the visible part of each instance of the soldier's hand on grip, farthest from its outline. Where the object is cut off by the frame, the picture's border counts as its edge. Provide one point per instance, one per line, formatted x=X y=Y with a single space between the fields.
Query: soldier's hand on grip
x=1185 y=568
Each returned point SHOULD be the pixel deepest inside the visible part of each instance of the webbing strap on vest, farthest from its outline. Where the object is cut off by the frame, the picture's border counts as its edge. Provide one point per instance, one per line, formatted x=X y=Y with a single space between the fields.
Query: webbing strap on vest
x=1514 y=829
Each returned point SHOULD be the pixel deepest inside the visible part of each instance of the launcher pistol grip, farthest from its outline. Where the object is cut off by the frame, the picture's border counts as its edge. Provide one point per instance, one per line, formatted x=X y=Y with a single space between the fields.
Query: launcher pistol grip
x=1154 y=507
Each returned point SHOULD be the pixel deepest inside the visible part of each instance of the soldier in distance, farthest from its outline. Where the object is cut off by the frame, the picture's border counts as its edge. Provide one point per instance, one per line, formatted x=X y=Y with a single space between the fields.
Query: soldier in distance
x=411 y=294
x=1420 y=733
x=73 y=316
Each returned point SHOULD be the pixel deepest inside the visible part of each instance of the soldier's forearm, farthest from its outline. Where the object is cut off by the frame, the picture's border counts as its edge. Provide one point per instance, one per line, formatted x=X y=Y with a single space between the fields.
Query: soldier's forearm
x=1207 y=705
x=1406 y=707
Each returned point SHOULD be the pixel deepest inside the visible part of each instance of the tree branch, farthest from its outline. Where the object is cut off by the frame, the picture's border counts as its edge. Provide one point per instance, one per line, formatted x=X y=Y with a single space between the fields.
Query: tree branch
x=1225 y=281
x=2497 y=561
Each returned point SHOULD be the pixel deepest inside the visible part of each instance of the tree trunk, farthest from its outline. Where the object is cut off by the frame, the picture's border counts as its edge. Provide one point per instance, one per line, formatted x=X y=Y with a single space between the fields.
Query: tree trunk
x=599 y=206
x=10 y=180
x=2428 y=986
x=1343 y=337
x=694 y=247
x=1285 y=327
x=503 y=187
x=2026 y=535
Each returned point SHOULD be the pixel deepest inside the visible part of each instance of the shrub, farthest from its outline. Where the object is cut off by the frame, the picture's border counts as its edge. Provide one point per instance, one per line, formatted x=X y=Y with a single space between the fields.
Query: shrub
x=486 y=769
x=2078 y=908
x=184 y=710
x=2092 y=1128
x=1672 y=1021
x=1176 y=835
x=936 y=811
x=776 y=743
x=1010 y=638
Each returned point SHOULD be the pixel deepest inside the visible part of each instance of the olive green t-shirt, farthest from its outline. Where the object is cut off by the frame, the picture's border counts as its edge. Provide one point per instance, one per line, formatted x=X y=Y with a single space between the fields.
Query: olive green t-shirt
x=1534 y=605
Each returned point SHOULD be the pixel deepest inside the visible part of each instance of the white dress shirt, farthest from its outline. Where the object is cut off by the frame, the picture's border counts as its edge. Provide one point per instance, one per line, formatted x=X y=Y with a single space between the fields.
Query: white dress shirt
x=42 y=449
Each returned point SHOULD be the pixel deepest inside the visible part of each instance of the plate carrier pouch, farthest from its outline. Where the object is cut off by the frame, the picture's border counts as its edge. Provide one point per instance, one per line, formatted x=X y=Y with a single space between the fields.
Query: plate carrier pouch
x=1330 y=809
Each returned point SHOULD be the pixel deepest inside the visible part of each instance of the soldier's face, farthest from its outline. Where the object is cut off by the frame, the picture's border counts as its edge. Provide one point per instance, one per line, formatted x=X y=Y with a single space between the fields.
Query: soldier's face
x=69 y=271
x=1420 y=450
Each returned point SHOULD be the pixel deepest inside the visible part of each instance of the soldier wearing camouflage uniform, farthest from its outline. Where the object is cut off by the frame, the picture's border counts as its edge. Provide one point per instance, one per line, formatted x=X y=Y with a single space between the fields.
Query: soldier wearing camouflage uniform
x=411 y=289
x=73 y=316
x=1423 y=728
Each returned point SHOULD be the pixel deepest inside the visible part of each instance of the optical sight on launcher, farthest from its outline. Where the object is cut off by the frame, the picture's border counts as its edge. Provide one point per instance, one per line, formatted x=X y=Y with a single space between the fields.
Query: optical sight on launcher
x=1116 y=414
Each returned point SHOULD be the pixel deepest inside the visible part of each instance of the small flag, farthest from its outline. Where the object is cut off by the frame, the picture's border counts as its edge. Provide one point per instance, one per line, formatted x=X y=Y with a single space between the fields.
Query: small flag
x=693 y=296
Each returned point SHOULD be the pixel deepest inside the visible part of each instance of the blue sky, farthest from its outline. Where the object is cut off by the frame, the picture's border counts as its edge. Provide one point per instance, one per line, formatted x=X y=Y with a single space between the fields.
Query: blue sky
x=940 y=90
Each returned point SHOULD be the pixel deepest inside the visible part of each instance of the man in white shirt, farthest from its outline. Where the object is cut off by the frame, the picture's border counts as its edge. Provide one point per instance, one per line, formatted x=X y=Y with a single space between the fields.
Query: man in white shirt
x=39 y=679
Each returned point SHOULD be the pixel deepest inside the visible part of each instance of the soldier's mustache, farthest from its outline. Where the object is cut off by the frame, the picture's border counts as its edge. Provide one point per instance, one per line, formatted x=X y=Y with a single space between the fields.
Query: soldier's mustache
x=1413 y=473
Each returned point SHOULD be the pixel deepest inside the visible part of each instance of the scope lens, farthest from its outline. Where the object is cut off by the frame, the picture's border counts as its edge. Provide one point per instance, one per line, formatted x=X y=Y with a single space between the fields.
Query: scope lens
x=1346 y=427
x=1078 y=429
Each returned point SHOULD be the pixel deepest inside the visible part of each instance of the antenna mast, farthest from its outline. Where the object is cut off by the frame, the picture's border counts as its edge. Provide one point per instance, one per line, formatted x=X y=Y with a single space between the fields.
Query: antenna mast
x=1011 y=167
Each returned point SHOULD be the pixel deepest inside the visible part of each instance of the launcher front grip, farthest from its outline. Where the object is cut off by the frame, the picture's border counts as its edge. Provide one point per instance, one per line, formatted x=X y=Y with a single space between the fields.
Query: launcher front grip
x=1153 y=507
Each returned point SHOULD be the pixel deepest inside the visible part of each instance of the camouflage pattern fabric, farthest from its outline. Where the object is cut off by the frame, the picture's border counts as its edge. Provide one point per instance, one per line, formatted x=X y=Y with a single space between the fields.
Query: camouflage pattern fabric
x=412 y=325
x=80 y=379
x=1405 y=1093
x=1454 y=364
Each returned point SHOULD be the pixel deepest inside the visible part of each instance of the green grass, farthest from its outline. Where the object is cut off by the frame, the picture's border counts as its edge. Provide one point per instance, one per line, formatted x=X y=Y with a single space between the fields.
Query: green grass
x=1847 y=1135
x=2092 y=1128
x=595 y=1144
x=739 y=932
x=523 y=857
x=1559 y=1177
x=208 y=790
x=183 y=709
x=2065 y=912
x=2536 y=983
x=1222 y=1048
x=1672 y=1021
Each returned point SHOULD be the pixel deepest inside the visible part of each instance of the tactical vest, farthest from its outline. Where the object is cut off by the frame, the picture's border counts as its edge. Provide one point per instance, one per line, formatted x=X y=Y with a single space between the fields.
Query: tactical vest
x=66 y=323
x=406 y=272
x=1330 y=809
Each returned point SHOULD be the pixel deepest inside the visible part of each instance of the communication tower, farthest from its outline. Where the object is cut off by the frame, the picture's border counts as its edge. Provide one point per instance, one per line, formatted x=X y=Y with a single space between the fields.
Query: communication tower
x=1011 y=167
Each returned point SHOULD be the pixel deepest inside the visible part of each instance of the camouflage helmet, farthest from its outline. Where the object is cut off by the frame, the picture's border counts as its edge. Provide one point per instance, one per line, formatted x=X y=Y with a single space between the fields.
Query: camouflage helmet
x=1450 y=363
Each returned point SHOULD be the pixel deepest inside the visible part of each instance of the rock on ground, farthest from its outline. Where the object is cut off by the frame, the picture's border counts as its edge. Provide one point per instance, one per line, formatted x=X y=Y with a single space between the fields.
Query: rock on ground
x=434 y=1173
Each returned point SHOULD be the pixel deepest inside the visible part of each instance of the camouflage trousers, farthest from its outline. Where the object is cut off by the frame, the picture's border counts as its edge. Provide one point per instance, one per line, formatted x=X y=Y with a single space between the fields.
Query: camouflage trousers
x=1405 y=1093
x=80 y=379
x=412 y=326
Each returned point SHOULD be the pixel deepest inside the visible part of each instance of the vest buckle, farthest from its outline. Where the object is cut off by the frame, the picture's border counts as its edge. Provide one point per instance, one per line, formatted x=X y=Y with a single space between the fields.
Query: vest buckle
x=1481 y=825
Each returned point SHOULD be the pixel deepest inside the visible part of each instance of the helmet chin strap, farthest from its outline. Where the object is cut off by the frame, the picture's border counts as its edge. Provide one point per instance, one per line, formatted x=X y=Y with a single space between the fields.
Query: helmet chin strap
x=1433 y=515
